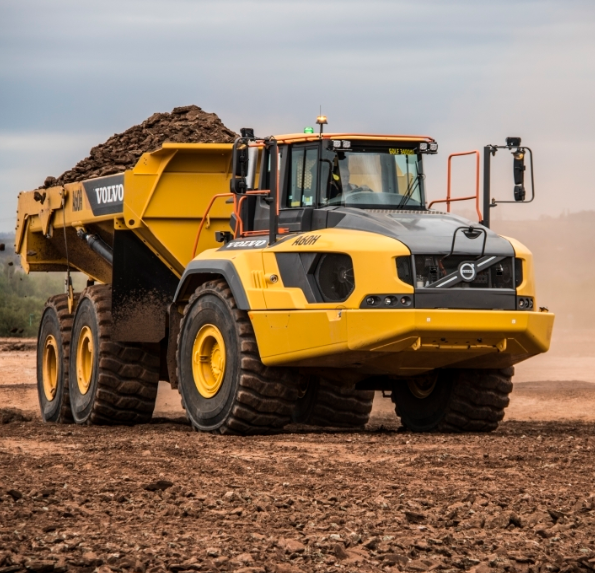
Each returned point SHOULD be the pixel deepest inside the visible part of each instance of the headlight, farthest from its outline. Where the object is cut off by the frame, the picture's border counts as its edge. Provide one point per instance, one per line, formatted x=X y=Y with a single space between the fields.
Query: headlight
x=334 y=276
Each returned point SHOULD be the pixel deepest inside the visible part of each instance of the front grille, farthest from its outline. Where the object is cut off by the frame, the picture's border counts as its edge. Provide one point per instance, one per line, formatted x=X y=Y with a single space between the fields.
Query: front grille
x=438 y=271
x=462 y=281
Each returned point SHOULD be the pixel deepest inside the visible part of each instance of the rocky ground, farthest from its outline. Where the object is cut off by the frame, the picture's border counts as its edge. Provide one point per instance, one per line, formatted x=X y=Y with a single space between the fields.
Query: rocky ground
x=160 y=497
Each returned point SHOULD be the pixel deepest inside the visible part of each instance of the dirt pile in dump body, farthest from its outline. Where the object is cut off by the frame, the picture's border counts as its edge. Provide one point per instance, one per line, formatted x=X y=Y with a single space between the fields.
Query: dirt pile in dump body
x=188 y=124
x=161 y=497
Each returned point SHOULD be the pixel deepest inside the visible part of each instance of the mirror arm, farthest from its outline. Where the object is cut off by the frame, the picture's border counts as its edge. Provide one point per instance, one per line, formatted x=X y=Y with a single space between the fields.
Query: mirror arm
x=532 y=180
x=488 y=202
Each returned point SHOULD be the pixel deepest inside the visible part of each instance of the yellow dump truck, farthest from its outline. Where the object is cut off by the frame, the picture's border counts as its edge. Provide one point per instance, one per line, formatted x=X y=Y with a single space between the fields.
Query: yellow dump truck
x=277 y=280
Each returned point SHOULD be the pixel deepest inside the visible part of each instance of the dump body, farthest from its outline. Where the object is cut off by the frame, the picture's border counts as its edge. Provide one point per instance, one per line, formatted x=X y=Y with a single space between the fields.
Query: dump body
x=161 y=200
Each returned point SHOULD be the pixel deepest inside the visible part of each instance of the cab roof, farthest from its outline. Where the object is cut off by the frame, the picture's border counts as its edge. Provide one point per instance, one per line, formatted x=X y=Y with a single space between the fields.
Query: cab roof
x=306 y=137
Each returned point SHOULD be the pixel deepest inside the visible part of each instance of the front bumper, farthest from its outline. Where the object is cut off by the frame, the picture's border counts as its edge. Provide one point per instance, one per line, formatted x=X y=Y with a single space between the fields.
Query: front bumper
x=400 y=341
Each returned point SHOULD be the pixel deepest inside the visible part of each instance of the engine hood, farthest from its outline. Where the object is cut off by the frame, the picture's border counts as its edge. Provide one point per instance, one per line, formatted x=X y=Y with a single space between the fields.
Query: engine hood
x=424 y=232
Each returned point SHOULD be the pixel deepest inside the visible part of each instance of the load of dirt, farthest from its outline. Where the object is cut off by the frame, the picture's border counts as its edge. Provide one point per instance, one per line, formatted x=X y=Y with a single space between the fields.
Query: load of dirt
x=188 y=124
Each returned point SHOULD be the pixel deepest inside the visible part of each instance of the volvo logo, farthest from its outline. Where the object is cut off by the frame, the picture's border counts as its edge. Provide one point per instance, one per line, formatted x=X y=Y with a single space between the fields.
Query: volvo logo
x=105 y=194
x=468 y=272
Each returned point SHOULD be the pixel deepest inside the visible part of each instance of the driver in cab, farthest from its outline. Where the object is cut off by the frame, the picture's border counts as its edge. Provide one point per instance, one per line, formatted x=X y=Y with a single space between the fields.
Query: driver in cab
x=340 y=178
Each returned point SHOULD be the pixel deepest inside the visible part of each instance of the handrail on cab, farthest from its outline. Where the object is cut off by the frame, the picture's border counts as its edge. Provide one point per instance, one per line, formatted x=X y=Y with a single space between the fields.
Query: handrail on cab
x=448 y=199
x=239 y=230
x=205 y=216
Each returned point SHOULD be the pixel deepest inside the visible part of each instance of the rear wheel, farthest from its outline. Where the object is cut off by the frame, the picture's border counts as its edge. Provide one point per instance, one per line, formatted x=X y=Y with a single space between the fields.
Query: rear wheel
x=53 y=351
x=224 y=385
x=454 y=400
x=111 y=382
x=323 y=403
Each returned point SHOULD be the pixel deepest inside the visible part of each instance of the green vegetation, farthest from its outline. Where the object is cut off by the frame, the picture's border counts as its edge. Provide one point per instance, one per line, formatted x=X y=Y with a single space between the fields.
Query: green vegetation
x=23 y=296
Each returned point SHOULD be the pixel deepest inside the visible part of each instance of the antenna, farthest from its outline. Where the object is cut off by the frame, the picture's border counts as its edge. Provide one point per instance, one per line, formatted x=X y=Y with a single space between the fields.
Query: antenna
x=321 y=120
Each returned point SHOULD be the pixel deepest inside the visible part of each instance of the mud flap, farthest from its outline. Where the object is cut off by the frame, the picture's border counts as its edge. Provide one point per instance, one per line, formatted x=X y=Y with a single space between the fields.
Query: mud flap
x=143 y=287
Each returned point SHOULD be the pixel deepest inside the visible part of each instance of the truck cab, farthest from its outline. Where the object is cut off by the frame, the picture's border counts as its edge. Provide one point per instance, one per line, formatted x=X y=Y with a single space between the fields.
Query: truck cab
x=347 y=170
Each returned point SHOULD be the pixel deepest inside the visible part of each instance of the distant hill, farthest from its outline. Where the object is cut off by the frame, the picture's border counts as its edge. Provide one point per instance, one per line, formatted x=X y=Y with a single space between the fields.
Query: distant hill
x=564 y=254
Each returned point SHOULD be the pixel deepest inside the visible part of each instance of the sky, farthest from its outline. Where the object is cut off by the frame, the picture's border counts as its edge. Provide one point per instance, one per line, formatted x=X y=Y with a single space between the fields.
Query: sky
x=466 y=72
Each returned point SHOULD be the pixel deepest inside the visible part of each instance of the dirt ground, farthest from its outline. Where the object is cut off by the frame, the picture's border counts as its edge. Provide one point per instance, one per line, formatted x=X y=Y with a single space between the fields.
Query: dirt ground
x=160 y=497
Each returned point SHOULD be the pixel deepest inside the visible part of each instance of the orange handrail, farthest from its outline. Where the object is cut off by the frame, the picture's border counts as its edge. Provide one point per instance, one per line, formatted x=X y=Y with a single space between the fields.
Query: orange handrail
x=240 y=223
x=213 y=198
x=236 y=210
x=448 y=199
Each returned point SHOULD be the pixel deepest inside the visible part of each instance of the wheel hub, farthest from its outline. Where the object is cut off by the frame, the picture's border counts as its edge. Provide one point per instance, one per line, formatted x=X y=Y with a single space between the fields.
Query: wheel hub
x=208 y=360
x=84 y=360
x=50 y=367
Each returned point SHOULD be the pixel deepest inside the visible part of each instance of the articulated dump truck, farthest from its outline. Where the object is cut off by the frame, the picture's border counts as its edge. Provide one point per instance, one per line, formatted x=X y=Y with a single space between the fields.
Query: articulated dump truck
x=280 y=280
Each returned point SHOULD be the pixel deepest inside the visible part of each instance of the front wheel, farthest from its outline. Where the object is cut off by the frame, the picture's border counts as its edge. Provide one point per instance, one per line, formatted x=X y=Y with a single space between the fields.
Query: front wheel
x=457 y=400
x=224 y=385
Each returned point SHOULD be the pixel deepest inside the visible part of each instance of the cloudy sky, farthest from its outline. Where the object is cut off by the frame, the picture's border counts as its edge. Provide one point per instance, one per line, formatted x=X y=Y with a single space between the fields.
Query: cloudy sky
x=467 y=72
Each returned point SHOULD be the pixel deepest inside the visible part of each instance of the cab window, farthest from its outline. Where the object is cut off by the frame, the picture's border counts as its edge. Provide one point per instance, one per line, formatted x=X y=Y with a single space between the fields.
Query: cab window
x=373 y=177
x=304 y=174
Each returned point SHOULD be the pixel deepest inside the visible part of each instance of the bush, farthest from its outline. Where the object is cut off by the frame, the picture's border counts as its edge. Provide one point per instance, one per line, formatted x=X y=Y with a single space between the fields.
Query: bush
x=22 y=298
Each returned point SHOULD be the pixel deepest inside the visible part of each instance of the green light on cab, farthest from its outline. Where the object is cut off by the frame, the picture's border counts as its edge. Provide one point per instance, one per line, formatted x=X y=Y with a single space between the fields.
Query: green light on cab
x=308 y=130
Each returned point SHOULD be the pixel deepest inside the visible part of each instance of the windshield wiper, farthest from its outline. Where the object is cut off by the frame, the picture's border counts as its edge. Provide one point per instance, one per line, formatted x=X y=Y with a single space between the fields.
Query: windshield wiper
x=409 y=192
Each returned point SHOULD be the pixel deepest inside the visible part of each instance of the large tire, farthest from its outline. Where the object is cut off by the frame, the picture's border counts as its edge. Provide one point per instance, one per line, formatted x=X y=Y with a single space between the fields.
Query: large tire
x=53 y=353
x=224 y=385
x=111 y=382
x=323 y=403
x=457 y=400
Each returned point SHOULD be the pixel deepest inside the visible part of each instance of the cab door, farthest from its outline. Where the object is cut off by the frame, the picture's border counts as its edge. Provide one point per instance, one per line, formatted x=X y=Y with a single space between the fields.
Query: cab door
x=299 y=187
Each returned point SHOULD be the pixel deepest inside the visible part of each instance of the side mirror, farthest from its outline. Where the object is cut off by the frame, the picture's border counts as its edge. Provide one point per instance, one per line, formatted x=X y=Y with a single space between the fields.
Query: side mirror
x=513 y=144
x=518 y=169
x=237 y=183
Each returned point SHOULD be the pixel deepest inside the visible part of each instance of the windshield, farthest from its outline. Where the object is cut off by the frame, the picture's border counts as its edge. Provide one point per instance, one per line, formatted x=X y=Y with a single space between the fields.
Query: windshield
x=382 y=178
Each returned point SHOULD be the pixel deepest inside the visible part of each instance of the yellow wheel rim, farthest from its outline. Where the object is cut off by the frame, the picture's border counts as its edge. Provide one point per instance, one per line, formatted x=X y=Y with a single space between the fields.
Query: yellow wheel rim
x=208 y=360
x=84 y=359
x=423 y=387
x=49 y=370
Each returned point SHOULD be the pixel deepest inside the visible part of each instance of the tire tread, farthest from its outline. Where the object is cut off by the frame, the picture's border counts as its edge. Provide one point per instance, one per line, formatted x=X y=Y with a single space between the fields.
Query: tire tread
x=478 y=401
x=341 y=406
x=128 y=375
